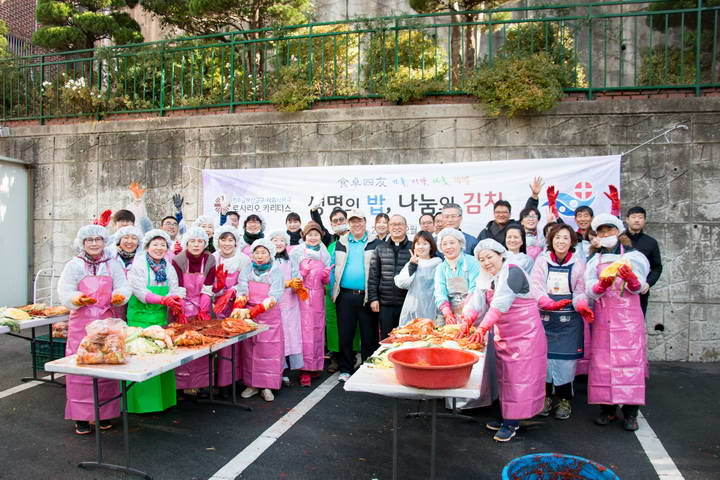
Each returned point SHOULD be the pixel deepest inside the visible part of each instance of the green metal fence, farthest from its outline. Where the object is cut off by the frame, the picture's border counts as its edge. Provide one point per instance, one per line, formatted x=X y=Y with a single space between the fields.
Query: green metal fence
x=607 y=45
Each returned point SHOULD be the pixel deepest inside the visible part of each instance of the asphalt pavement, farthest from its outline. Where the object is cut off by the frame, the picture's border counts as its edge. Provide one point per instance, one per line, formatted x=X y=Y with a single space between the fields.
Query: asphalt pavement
x=348 y=436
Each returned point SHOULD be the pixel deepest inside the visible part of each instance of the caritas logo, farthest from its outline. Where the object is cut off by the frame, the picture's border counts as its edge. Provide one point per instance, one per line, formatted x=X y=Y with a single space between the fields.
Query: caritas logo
x=583 y=195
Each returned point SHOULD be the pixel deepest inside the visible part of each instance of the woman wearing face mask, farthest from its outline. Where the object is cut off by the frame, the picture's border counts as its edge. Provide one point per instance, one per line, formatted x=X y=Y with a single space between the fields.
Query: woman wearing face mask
x=314 y=262
x=294 y=230
x=208 y=225
x=504 y=302
x=382 y=221
x=418 y=278
x=229 y=262
x=127 y=240
x=618 y=358
x=289 y=303
x=455 y=276
x=90 y=285
x=261 y=285
x=558 y=285
x=515 y=244
x=155 y=288
x=534 y=240
x=253 y=229
x=195 y=268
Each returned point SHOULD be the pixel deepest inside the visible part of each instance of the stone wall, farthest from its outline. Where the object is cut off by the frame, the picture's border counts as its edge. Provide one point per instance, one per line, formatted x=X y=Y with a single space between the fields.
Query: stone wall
x=83 y=168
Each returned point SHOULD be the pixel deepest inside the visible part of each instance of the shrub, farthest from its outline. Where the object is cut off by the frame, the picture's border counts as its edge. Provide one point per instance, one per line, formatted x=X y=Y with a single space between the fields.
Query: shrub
x=291 y=91
x=406 y=85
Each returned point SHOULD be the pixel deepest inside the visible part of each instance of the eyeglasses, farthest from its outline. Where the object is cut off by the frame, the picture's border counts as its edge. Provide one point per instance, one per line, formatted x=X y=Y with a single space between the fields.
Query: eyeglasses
x=95 y=240
x=532 y=216
x=502 y=212
x=337 y=220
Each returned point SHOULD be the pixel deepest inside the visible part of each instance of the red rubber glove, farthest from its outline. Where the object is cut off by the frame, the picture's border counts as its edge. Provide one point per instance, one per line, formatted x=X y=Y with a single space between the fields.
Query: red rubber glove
x=464 y=330
x=240 y=302
x=614 y=197
x=478 y=336
x=220 y=278
x=222 y=301
x=629 y=276
x=604 y=283
x=104 y=219
x=177 y=248
x=546 y=303
x=584 y=310
x=552 y=195
x=257 y=310
x=450 y=318
x=204 y=316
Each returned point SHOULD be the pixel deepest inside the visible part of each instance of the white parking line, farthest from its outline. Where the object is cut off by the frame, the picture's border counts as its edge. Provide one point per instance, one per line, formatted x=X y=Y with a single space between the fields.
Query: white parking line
x=25 y=386
x=251 y=453
x=661 y=461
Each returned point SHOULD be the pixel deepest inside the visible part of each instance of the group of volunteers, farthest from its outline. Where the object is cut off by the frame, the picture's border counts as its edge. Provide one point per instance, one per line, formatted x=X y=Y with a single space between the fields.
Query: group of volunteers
x=536 y=296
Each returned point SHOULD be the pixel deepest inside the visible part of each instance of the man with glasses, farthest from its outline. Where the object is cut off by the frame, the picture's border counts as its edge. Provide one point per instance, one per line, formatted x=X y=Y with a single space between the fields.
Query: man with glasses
x=452 y=217
x=502 y=209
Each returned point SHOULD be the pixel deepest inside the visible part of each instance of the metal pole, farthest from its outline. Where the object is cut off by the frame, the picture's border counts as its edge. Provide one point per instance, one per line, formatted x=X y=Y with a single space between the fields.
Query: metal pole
x=396 y=405
x=433 y=438
x=96 y=408
x=663 y=134
x=126 y=435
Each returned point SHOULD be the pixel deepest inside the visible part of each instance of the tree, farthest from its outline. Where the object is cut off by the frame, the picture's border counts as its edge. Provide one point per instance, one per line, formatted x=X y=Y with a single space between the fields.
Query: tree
x=456 y=34
x=78 y=24
x=203 y=17
x=3 y=41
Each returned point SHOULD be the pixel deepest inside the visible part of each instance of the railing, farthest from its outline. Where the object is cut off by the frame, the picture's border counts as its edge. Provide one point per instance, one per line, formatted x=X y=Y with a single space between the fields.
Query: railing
x=624 y=45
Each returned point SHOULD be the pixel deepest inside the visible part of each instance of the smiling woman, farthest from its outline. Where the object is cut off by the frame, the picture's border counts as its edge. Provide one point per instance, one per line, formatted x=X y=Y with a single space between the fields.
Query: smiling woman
x=15 y=231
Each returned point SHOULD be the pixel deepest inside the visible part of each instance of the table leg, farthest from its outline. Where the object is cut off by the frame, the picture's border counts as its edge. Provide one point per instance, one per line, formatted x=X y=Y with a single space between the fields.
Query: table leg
x=212 y=400
x=433 y=404
x=33 y=353
x=455 y=414
x=396 y=406
x=124 y=409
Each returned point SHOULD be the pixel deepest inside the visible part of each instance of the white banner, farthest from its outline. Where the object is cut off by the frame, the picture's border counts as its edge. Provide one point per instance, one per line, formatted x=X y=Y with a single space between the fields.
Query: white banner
x=412 y=190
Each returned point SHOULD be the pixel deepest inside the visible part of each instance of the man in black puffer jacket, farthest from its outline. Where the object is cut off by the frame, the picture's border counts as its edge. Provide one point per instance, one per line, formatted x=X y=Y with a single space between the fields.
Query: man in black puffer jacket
x=388 y=260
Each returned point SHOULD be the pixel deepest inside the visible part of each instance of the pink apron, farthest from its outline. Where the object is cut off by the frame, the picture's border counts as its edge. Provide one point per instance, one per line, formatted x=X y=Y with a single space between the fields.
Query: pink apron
x=263 y=354
x=79 y=390
x=121 y=310
x=195 y=373
x=312 y=314
x=246 y=251
x=224 y=367
x=290 y=309
x=618 y=363
x=521 y=354
x=533 y=251
x=583 y=365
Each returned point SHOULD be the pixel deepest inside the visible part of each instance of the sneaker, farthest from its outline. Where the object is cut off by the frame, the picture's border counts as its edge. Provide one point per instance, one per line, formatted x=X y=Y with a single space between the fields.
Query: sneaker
x=105 y=424
x=493 y=425
x=358 y=360
x=305 y=379
x=343 y=377
x=630 y=423
x=334 y=366
x=563 y=409
x=286 y=381
x=547 y=408
x=82 y=428
x=505 y=433
x=267 y=395
x=249 y=392
x=604 y=419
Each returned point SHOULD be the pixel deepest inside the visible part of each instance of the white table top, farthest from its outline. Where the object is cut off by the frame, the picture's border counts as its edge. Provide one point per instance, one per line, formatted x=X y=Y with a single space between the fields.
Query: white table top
x=36 y=322
x=143 y=367
x=382 y=381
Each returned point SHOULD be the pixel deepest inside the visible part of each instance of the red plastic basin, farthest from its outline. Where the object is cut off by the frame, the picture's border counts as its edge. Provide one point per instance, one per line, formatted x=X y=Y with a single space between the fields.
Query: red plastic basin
x=432 y=367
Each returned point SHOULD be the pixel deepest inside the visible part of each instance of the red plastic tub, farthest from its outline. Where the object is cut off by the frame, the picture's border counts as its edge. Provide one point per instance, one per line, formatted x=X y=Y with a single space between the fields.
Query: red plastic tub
x=432 y=367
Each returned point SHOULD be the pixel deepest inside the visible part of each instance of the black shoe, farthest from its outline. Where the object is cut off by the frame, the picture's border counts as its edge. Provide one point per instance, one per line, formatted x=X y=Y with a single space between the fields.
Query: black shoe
x=82 y=428
x=630 y=423
x=494 y=425
x=604 y=419
x=105 y=424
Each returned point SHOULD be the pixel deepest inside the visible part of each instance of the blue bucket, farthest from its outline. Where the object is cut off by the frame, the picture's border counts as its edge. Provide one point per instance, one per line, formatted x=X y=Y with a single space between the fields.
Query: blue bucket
x=556 y=466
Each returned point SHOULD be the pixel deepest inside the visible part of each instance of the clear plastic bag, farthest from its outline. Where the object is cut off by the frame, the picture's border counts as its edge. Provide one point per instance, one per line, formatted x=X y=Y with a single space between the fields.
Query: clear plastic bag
x=104 y=342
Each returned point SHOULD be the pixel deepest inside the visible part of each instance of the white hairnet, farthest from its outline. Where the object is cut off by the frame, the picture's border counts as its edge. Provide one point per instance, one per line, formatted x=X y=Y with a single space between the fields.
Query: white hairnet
x=89 y=231
x=204 y=219
x=489 y=244
x=282 y=234
x=194 y=232
x=223 y=229
x=127 y=230
x=450 y=232
x=155 y=233
x=607 y=219
x=264 y=242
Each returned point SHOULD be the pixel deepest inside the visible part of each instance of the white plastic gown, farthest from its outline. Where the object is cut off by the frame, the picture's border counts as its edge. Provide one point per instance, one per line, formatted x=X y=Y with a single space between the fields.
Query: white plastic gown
x=419 y=301
x=274 y=277
x=522 y=260
x=76 y=269
x=638 y=261
x=139 y=273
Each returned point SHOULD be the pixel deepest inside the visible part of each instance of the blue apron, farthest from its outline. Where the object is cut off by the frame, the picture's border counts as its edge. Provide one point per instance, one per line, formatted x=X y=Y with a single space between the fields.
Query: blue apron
x=563 y=328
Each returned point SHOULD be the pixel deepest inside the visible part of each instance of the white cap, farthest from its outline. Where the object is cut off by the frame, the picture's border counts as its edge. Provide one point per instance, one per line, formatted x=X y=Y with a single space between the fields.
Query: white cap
x=282 y=234
x=153 y=234
x=203 y=219
x=194 y=232
x=489 y=244
x=88 y=231
x=222 y=230
x=450 y=232
x=264 y=242
x=607 y=219
x=127 y=230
